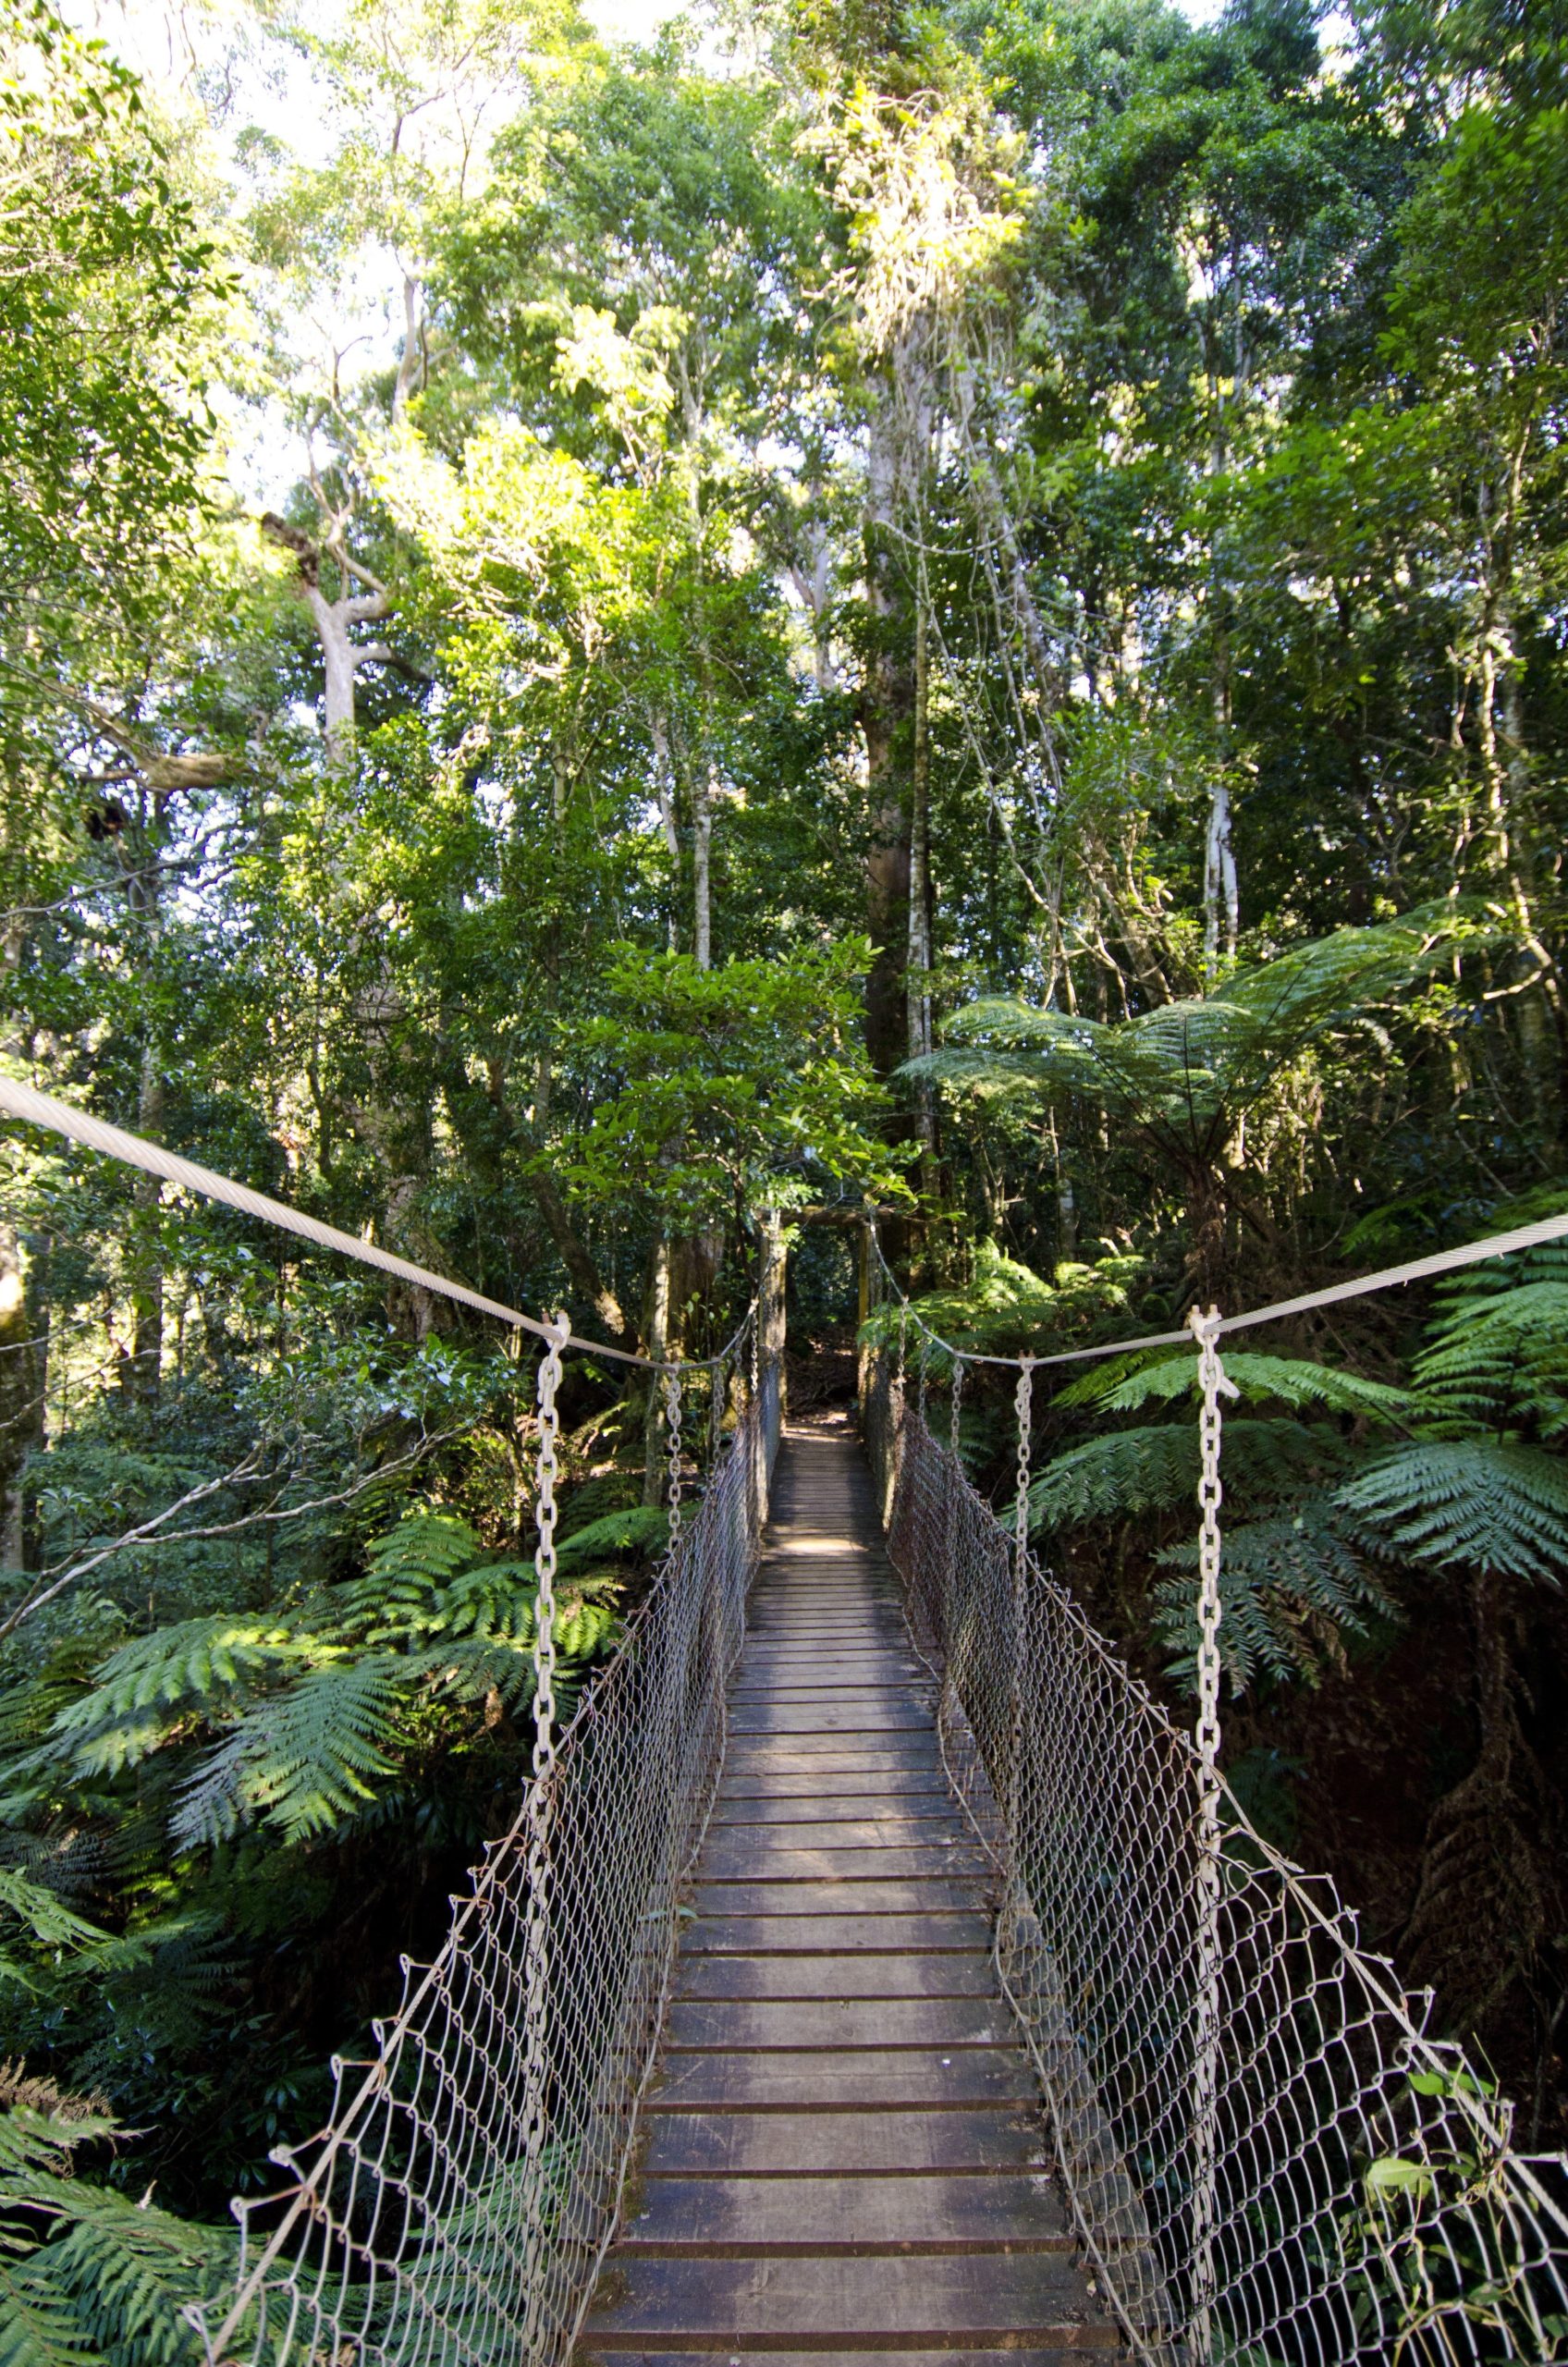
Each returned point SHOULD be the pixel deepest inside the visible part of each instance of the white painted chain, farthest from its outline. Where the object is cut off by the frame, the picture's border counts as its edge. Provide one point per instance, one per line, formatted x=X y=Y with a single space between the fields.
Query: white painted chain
x=716 y=1409
x=1021 y=1397
x=541 y=1812
x=920 y=1395
x=548 y=1472
x=756 y=1349
x=903 y=1341
x=1213 y=1385
x=956 y=1402
x=672 y=1424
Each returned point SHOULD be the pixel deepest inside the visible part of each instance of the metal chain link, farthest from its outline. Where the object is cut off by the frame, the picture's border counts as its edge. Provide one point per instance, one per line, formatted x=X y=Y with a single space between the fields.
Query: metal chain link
x=1022 y=1410
x=716 y=1409
x=903 y=1344
x=925 y=1376
x=547 y=1471
x=957 y=1400
x=540 y=1816
x=672 y=1424
x=1022 y=1406
x=1213 y=1385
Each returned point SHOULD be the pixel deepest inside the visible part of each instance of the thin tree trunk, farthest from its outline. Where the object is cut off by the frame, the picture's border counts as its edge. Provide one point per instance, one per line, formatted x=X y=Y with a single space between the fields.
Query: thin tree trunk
x=917 y=973
x=19 y=1385
x=656 y=1332
x=886 y=709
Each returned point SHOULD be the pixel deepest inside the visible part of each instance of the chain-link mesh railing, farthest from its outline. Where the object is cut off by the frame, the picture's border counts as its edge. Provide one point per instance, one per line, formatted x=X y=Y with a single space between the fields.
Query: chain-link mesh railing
x=1267 y=2160
x=458 y=2205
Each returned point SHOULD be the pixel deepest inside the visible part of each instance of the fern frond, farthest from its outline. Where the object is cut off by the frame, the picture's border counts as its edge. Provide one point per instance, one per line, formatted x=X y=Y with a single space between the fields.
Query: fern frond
x=425 y=1544
x=110 y=2288
x=1151 y=1469
x=642 y=1528
x=1181 y=1066
x=1501 y=1356
x=1467 y=1503
x=1292 y=1588
x=147 y=1688
x=45 y=1920
x=302 y=1759
x=1161 y=1378
x=1006 y=1305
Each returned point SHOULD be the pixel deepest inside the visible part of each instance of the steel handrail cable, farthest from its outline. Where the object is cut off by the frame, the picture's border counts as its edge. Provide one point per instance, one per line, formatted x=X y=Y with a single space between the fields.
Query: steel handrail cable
x=34 y=1108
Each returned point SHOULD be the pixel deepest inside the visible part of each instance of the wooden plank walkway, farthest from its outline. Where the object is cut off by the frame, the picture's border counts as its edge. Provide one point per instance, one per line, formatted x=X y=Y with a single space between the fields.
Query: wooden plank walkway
x=842 y=2153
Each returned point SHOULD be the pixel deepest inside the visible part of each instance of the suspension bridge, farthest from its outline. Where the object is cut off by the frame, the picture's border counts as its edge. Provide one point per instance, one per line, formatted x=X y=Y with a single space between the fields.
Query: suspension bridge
x=874 y=1970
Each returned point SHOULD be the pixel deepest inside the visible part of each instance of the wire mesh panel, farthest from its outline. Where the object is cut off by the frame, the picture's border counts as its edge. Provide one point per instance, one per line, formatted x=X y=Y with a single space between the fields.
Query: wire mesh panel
x=457 y=2205
x=1298 y=2179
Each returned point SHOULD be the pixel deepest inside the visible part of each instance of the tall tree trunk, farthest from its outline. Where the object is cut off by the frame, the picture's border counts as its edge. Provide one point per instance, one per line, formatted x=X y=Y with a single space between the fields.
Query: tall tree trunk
x=887 y=707
x=702 y=843
x=917 y=972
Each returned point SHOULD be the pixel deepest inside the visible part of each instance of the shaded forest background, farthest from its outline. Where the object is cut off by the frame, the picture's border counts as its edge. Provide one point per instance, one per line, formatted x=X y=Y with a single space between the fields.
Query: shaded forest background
x=961 y=607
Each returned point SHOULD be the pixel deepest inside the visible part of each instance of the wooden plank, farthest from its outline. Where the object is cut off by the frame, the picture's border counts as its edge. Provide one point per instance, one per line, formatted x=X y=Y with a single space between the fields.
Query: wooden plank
x=941 y=2022
x=868 y=1783
x=933 y=1896
x=775 y=2217
x=1026 y=2355
x=844 y=2080
x=973 y=2141
x=943 y=2300
x=867 y=1974
x=717 y=1934
x=850 y=1829
x=881 y=1860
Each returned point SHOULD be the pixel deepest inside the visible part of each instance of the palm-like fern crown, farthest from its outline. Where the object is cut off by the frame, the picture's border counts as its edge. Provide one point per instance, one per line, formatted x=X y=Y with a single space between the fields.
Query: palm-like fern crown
x=1185 y=1072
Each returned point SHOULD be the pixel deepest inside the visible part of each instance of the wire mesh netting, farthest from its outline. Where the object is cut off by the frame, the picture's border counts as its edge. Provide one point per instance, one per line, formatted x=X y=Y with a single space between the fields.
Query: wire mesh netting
x=1267 y=2158
x=457 y=2205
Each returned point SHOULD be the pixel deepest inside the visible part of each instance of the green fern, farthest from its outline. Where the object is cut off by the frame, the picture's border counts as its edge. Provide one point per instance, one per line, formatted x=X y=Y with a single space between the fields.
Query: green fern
x=1472 y=1504
x=45 y=1920
x=1183 y=1073
x=1153 y=1469
x=1007 y=1307
x=1158 y=1377
x=147 y=1689
x=89 y=2278
x=1291 y=1587
x=304 y=1760
x=641 y=1528
x=1500 y=1358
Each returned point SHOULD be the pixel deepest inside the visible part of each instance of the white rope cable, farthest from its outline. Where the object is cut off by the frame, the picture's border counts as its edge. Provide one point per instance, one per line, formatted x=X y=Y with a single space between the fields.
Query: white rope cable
x=33 y=1108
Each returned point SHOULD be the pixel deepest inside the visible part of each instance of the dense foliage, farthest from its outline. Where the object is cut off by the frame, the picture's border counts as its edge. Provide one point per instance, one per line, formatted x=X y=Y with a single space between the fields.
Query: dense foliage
x=601 y=645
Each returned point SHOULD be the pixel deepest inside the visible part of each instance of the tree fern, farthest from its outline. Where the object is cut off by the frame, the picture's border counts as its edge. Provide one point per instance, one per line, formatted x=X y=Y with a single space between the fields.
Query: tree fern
x=1500 y=1357
x=1152 y=1469
x=303 y=1761
x=1006 y=1305
x=147 y=1688
x=89 y=2278
x=1291 y=1587
x=1472 y=1504
x=1186 y=1070
x=1159 y=1377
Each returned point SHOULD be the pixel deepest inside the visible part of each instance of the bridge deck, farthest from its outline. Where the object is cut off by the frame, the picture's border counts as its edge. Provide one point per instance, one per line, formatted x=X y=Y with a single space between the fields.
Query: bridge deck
x=843 y=2153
